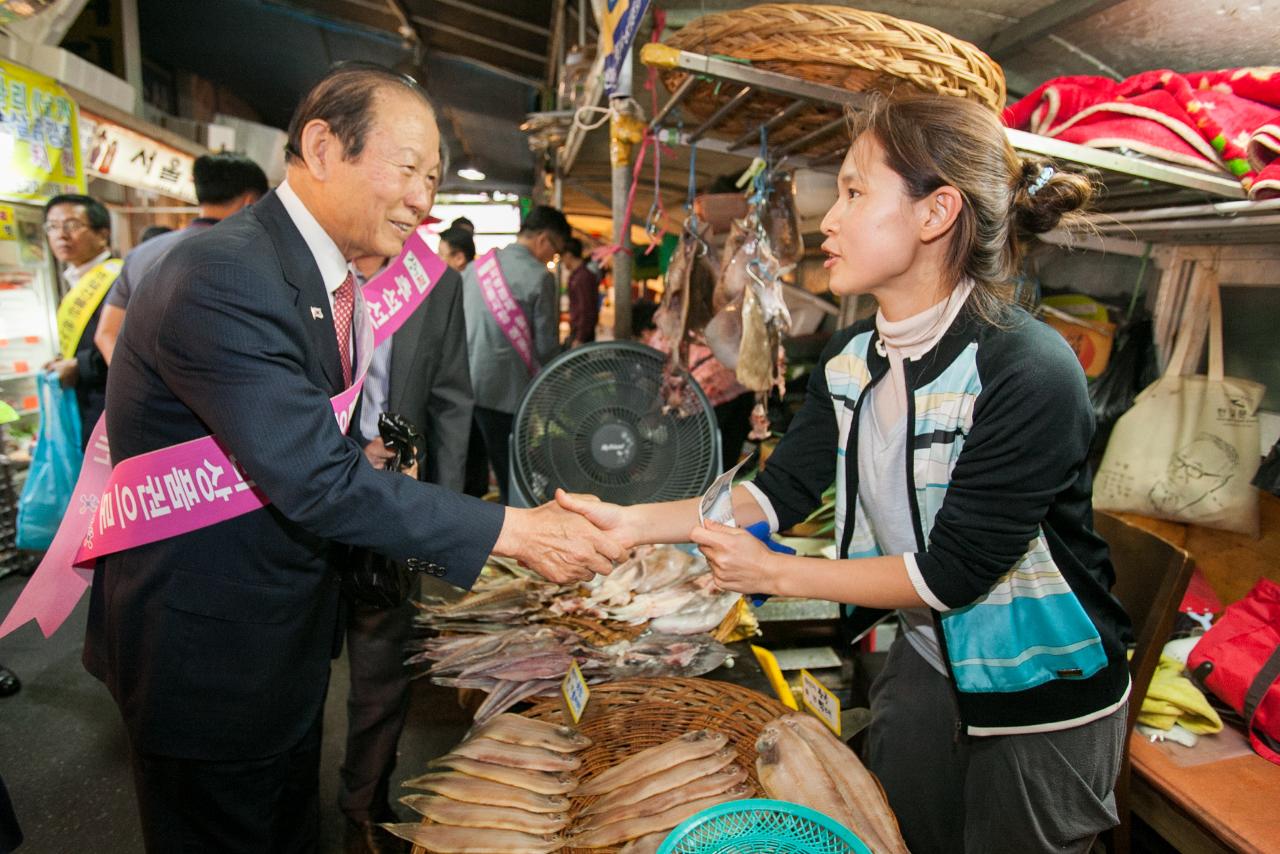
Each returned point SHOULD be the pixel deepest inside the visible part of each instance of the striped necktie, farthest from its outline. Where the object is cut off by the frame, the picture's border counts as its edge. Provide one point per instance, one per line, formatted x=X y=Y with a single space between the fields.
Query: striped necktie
x=344 y=302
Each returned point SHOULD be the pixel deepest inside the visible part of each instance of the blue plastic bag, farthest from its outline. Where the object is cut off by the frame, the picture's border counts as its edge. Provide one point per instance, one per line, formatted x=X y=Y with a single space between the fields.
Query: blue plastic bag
x=55 y=465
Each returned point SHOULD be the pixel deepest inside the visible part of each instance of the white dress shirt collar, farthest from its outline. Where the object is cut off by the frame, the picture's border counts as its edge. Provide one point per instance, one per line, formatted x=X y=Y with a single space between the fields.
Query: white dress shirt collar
x=72 y=275
x=333 y=267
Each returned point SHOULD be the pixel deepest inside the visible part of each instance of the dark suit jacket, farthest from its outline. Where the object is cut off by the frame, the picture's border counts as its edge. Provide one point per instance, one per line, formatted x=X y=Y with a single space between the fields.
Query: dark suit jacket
x=216 y=643
x=431 y=382
x=91 y=378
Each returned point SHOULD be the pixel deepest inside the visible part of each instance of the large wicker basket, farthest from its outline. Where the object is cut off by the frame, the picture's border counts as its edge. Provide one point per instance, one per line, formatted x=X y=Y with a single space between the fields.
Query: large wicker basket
x=849 y=48
x=627 y=716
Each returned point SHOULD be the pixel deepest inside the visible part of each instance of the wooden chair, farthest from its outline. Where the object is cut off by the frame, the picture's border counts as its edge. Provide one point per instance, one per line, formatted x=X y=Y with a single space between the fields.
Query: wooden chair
x=1151 y=579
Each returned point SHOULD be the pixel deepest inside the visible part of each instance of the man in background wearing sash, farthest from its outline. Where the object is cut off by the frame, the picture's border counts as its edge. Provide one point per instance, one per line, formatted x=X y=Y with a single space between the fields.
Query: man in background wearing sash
x=225 y=183
x=215 y=642
x=507 y=351
x=79 y=232
x=420 y=374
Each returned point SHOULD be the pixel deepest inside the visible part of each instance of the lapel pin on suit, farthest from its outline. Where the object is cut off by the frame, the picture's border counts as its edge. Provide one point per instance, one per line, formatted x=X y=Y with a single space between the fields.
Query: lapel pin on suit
x=316 y=313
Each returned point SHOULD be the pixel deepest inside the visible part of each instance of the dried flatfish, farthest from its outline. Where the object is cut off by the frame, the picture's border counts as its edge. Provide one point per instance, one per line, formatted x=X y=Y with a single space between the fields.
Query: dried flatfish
x=646 y=844
x=788 y=769
x=474 y=790
x=867 y=810
x=702 y=787
x=673 y=777
x=517 y=729
x=691 y=745
x=445 y=839
x=462 y=814
x=487 y=749
x=619 y=832
x=542 y=782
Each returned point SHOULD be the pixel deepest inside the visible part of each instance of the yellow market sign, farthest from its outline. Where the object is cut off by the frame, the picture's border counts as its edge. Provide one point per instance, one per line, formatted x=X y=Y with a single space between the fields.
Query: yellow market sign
x=39 y=137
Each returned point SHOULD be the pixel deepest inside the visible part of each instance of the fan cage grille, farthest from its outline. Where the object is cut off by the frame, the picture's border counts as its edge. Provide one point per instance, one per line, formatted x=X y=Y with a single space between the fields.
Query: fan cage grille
x=605 y=383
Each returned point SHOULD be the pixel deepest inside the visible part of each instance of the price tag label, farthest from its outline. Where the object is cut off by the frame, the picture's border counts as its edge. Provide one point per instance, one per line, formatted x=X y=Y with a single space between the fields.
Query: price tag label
x=575 y=691
x=820 y=702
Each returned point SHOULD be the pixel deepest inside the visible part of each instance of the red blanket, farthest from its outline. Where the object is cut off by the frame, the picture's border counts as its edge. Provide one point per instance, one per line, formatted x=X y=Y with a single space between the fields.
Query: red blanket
x=1216 y=120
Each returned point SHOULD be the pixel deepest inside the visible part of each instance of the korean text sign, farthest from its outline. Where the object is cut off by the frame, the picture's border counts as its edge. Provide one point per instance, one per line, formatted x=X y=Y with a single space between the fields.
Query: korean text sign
x=39 y=137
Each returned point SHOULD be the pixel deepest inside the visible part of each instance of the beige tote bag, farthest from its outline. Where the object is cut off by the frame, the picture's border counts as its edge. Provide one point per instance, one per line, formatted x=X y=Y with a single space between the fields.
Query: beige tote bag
x=1188 y=447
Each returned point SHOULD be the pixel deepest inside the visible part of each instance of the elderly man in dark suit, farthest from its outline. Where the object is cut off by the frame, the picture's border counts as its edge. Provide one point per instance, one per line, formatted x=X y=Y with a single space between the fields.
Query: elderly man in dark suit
x=216 y=643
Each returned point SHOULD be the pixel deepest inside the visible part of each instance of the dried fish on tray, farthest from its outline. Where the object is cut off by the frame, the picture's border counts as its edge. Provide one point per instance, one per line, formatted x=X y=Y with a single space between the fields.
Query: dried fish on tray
x=657 y=788
x=800 y=761
x=448 y=839
x=504 y=790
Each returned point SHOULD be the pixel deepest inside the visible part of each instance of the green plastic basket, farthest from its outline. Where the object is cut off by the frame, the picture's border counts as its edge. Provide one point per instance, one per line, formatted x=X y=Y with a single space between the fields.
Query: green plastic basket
x=758 y=825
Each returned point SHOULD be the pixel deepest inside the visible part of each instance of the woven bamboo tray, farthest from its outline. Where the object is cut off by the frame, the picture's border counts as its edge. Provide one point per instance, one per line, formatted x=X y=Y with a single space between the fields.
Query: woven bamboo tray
x=849 y=48
x=625 y=717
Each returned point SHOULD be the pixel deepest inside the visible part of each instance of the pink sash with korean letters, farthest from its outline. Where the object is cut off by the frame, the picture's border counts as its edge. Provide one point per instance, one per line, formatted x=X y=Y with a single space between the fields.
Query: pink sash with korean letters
x=506 y=312
x=192 y=485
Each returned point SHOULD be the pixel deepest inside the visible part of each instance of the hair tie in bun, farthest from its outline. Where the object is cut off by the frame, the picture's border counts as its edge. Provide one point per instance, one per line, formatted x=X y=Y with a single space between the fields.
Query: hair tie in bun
x=1043 y=178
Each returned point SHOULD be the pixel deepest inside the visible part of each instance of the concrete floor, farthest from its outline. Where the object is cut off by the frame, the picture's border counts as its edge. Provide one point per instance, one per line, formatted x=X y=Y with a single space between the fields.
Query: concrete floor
x=64 y=756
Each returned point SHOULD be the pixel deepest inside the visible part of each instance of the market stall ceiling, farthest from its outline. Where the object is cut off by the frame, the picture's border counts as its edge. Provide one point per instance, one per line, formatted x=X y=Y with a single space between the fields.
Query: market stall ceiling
x=1113 y=38
x=1043 y=39
x=268 y=53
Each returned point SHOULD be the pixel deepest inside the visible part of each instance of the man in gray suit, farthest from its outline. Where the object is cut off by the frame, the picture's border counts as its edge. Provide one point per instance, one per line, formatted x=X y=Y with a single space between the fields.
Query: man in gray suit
x=499 y=375
x=420 y=373
x=215 y=643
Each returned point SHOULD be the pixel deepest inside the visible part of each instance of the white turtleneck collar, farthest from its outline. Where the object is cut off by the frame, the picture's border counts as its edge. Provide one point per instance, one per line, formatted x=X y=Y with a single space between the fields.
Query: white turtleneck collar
x=911 y=338
x=916 y=335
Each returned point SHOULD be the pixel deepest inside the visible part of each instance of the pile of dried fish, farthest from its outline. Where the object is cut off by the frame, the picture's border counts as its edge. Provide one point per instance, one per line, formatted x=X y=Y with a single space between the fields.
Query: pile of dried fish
x=494 y=601
x=530 y=661
x=800 y=761
x=649 y=793
x=666 y=586
x=503 y=790
x=663 y=588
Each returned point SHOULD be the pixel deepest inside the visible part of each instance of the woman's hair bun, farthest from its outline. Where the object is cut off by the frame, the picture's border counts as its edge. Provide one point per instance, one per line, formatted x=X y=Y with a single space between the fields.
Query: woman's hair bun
x=1045 y=195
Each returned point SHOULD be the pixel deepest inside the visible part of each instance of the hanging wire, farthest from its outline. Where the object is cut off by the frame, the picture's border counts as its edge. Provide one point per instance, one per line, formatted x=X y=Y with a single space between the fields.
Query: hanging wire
x=693 y=178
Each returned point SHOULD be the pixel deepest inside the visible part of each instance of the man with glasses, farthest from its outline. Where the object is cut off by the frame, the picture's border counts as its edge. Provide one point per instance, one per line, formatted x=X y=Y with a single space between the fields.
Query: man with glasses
x=499 y=372
x=79 y=232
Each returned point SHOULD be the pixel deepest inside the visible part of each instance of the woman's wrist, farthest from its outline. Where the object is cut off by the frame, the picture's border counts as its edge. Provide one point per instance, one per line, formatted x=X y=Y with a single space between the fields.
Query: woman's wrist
x=784 y=571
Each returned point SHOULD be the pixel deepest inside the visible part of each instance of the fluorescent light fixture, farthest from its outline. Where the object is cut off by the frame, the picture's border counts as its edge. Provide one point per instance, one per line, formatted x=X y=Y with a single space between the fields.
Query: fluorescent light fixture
x=468 y=173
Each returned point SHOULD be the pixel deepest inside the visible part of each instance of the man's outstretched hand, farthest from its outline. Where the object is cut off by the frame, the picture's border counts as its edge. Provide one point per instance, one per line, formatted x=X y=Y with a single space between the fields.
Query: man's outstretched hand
x=558 y=544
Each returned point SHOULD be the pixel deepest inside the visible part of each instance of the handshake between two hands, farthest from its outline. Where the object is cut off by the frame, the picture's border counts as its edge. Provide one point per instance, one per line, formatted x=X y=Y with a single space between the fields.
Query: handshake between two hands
x=577 y=536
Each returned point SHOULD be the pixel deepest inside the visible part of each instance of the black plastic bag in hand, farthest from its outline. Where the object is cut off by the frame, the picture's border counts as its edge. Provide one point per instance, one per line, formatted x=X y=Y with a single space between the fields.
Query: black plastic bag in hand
x=1268 y=477
x=369 y=578
x=1132 y=368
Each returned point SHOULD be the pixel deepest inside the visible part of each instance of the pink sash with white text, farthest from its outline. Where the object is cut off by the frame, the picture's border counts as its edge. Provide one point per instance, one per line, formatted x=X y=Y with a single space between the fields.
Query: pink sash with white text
x=185 y=487
x=506 y=312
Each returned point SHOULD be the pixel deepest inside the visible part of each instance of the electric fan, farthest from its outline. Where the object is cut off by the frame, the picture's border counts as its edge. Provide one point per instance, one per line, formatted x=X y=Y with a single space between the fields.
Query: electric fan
x=592 y=421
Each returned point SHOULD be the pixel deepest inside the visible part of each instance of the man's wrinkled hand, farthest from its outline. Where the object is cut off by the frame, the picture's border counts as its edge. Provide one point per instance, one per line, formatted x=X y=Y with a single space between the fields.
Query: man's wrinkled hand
x=68 y=371
x=558 y=544
x=377 y=453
